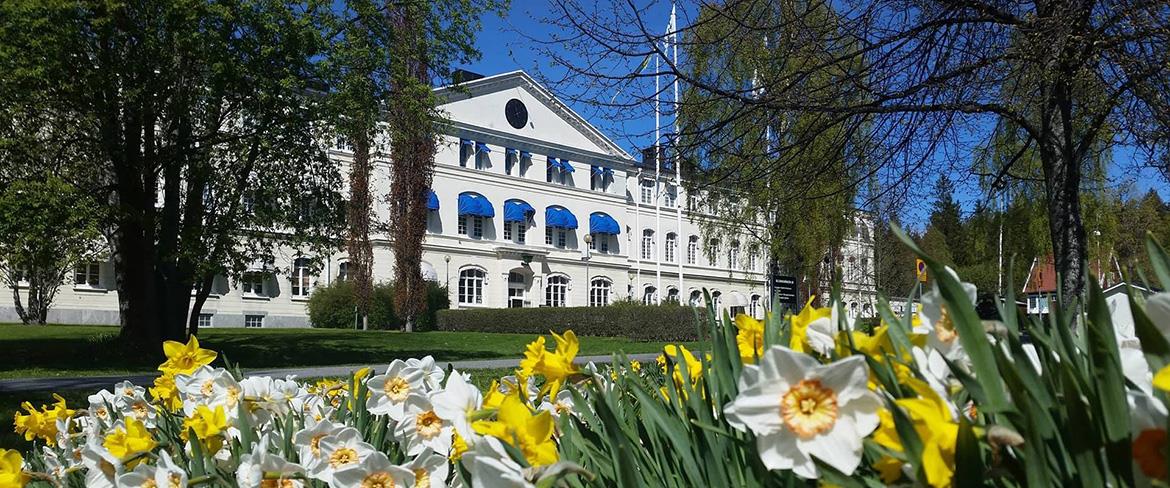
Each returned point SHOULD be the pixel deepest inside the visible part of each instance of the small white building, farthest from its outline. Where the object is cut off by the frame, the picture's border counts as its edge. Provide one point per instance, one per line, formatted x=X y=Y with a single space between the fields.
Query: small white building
x=532 y=207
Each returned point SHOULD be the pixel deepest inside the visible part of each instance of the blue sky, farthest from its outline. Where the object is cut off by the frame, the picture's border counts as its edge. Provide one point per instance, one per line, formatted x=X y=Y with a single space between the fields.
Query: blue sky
x=505 y=47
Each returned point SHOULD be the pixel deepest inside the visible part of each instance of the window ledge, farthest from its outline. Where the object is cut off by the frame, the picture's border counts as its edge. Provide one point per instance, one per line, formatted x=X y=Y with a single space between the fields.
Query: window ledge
x=300 y=298
x=256 y=297
x=473 y=305
x=89 y=289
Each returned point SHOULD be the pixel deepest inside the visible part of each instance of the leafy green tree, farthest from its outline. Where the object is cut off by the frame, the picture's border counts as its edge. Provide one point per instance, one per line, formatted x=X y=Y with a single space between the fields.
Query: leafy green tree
x=48 y=227
x=193 y=127
x=946 y=218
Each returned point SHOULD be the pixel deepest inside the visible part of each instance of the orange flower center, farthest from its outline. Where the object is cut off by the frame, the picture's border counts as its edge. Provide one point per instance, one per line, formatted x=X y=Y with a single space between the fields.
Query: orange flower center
x=422 y=478
x=808 y=408
x=396 y=388
x=378 y=480
x=945 y=328
x=1149 y=450
x=315 y=445
x=428 y=424
x=342 y=457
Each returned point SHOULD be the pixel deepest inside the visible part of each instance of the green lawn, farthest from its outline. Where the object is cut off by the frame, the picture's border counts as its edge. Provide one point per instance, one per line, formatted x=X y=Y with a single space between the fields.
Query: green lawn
x=70 y=351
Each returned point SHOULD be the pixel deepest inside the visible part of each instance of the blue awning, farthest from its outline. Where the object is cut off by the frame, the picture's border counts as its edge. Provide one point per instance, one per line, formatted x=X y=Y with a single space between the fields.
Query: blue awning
x=602 y=223
x=553 y=163
x=482 y=148
x=432 y=200
x=565 y=166
x=509 y=151
x=475 y=204
x=525 y=154
x=560 y=217
x=466 y=142
x=517 y=211
x=562 y=165
x=602 y=171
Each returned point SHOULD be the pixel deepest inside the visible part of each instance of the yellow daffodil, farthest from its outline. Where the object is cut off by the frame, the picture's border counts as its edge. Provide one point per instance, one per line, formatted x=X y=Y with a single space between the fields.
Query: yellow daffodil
x=1162 y=378
x=42 y=423
x=129 y=439
x=209 y=426
x=556 y=366
x=693 y=365
x=516 y=425
x=801 y=322
x=458 y=447
x=635 y=365
x=185 y=358
x=11 y=471
x=165 y=393
x=935 y=425
x=493 y=397
x=749 y=337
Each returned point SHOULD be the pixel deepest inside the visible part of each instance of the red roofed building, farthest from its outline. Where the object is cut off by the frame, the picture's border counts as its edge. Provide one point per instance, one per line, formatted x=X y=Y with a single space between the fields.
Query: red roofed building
x=1042 y=281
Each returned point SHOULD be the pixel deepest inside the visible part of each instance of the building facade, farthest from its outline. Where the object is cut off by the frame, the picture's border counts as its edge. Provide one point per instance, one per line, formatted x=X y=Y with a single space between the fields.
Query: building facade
x=531 y=206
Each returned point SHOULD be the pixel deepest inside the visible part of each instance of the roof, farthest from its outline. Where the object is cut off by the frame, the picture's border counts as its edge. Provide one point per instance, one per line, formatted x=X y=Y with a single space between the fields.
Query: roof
x=1042 y=277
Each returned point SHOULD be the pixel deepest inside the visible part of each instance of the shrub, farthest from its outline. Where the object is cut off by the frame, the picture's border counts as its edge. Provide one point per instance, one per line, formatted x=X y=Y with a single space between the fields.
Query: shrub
x=631 y=320
x=333 y=307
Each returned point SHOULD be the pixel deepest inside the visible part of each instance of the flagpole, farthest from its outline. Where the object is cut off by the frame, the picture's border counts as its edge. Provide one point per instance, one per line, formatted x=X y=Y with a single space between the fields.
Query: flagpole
x=657 y=186
x=678 y=202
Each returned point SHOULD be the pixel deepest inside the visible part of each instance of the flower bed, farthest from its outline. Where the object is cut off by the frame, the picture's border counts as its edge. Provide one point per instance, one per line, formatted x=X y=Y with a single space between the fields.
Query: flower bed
x=929 y=400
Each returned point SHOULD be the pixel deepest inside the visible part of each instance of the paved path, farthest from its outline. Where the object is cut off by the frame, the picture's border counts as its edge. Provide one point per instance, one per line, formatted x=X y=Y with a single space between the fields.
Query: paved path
x=98 y=382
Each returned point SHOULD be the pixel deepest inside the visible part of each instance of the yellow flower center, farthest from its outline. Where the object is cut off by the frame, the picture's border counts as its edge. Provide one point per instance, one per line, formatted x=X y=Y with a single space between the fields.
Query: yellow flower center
x=208 y=388
x=808 y=408
x=282 y=483
x=945 y=328
x=342 y=457
x=233 y=396
x=315 y=445
x=175 y=480
x=149 y=483
x=428 y=424
x=378 y=480
x=422 y=478
x=396 y=388
x=102 y=413
x=139 y=409
x=128 y=392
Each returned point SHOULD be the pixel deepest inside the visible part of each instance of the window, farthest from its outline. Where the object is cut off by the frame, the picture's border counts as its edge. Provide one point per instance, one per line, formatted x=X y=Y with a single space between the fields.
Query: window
x=696 y=298
x=300 y=278
x=716 y=299
x=507 y=231
x=650 y=296
x=672 y=295
x=476 y=226
x=671 y=243
x=692 y=249
x=253 y=321
x=471 y=286
x=864 y=269
x=599 y=292
x=466 y=151
x=755 y=308
x=753 y=258
x=548 y=236
x=521 y=232
x=87 y=275
x=204 y=320
x=864 y=232
x=647 y=244
x=671 y=196
x=253 y=284
x=712 y=252
x=562 y=238
x=647 y=191
x=517 y=284
x=556 y=290
x=733 y=255
x=509 y=161
x=599 y=243
x=343 y=271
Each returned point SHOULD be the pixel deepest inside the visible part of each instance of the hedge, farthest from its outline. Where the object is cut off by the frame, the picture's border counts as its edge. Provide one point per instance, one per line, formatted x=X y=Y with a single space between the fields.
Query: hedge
x=638 y=322
x=332 y=307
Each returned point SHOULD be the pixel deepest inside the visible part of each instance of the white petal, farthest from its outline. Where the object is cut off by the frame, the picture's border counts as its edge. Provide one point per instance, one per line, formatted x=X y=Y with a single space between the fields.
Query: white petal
x=847 y=378
x=758 y=411
x=779 y=451
x=839 y=447
x=785 y=365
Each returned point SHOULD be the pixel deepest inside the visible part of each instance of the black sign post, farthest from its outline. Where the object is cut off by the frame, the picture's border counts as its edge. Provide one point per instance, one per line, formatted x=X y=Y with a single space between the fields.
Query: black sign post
x=784 y=290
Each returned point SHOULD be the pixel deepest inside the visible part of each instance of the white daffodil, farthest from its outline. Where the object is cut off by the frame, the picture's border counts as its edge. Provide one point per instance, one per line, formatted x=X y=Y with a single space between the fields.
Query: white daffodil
x=430 y=470
x=262 y=468
x=165 y=473
x=508 y=384
x=209 y=386
x=375 y=471
x=456 y=402
x=1147 y=445
x=798 y=408
x=338 y=451
x=102 y=468
x=100 y=404
x=388 y=392
x=141 y=477
x=308 y=440
x=491 y=467
x=938 y=324
x=265 y=398
x=562 y=405
x=422 y=428
x=934 y=369
x=126 y=392
x=432 y=374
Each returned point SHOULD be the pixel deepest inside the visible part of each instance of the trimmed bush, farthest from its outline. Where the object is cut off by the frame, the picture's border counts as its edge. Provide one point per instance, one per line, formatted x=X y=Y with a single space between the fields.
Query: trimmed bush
x=631 y=320
x=332 y=307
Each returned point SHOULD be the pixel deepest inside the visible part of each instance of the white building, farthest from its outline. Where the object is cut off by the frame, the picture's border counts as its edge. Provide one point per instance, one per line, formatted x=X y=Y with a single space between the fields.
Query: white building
x=856 y=269
x=534 y=207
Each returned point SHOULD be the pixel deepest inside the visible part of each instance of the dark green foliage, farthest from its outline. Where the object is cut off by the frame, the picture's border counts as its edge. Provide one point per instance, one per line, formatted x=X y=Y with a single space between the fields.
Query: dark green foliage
x=334 y=307
x=634 y=321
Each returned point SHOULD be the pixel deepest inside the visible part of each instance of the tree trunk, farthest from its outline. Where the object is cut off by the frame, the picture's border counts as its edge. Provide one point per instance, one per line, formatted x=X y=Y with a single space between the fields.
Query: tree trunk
x=16 y=302
x=361 y=251
x=1062 y=188
x=201 y=294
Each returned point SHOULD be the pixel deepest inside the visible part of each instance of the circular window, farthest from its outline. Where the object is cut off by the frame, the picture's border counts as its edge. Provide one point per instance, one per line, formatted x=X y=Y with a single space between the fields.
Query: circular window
x=516 y=113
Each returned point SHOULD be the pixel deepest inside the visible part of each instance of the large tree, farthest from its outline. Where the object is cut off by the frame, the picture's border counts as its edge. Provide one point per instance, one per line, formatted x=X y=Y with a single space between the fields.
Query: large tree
x=194 y=127
x=927 y=77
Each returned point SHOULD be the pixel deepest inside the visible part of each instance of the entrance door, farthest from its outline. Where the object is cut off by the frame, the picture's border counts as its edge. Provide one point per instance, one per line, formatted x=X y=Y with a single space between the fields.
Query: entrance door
x=516 y=290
